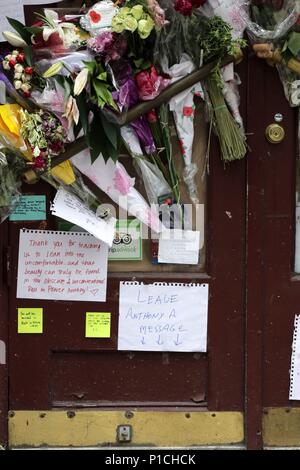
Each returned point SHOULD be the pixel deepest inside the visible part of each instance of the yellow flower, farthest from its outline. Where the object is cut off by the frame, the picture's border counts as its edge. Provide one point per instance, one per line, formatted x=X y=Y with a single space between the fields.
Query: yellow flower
x=130 y=23
x=145 y=27
x=137 y=11
x=81 y=81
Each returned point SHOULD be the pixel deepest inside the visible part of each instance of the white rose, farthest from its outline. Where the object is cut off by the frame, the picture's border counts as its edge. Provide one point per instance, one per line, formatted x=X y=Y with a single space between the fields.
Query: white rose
x=18 y=76
x=17 y=84
x=19 y=68
x=25 y=87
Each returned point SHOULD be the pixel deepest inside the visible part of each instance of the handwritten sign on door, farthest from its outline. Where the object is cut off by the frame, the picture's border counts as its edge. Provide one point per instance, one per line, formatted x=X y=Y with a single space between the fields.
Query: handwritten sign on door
x=163 y=317
x=61 y=266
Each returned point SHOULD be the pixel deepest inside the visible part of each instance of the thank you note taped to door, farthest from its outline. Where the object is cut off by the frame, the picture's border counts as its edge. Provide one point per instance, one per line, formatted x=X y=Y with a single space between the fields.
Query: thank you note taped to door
x=163 y=317
x=61 y=266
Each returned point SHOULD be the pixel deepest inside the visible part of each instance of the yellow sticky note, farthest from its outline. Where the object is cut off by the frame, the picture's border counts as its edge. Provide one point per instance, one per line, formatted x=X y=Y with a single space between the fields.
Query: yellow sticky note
x=30 y=320
x=97 y=325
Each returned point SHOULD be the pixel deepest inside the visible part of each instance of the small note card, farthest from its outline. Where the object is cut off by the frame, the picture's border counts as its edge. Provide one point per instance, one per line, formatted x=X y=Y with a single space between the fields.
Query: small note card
x=179 y=247
x=69 y=207
x=97 y=325
x=163 y=317
x=295 y=362
x=29 y=208
x=30 y=320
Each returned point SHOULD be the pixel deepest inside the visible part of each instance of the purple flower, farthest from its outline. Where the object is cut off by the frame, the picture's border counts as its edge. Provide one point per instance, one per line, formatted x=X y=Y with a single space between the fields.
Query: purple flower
x=101 y=43
x=127 y=97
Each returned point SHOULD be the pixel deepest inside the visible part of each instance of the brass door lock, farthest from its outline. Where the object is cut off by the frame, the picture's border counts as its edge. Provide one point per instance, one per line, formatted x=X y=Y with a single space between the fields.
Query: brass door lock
x=275 y=133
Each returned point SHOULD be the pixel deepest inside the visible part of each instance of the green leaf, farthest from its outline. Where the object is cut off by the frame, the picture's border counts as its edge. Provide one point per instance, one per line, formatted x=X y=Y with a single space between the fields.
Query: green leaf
x=77 y=128
x=96 y=139
x=102 y=76
x=20 y=28
x=142 y=64
x=34 y=30
x=112 y=131
x=81 y=101
x=28 y=55
x=103 y=94
x=294 y=43
x=90 y=66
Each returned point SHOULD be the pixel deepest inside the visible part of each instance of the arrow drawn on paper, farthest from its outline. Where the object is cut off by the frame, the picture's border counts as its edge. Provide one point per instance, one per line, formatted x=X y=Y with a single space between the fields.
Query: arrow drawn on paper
x=159 y=342
x=177 y=342
x=143 y=340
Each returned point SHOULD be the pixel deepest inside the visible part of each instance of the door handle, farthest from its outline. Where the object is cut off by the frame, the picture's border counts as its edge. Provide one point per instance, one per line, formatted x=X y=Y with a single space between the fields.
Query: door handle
x=275 y=133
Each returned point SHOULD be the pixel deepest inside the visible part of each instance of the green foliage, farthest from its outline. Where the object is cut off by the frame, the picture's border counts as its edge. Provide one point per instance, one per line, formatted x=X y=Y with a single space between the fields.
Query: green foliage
x=21 y=29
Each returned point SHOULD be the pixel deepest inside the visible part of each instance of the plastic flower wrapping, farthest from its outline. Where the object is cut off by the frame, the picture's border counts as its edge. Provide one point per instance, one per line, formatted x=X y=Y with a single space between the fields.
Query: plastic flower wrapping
x=117 y=77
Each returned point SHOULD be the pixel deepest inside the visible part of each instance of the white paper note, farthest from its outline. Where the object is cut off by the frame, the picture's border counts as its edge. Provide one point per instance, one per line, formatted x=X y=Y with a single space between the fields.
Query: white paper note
x=179 y=247
x=295 y=362
x=163 y=317
x=61 y=266
x=69 y=207
x=15 y=9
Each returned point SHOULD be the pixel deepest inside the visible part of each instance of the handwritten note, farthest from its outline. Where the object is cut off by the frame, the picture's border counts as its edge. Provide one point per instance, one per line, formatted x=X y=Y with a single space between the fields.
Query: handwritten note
x=61 y=266
x=179 y=247
x=29 y=208
x=69 y=207
x=30 y=320
x=169 y=317
x=97 y=325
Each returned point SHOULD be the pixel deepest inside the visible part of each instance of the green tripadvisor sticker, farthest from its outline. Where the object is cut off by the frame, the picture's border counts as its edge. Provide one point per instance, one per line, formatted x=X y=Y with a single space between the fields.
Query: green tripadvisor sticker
x=127 y=245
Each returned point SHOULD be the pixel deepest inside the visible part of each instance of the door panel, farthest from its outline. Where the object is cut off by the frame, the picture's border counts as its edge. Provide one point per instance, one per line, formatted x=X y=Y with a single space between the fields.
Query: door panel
x=273 y=290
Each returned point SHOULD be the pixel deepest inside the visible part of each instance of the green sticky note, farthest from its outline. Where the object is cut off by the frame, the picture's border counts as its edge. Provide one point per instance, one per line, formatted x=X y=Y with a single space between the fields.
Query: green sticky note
x=97 y=325
x=29 y=208
x=30 y=320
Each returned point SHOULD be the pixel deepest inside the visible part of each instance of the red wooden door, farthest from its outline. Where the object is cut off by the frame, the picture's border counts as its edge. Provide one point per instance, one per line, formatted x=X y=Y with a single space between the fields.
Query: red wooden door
x=273 y=288
x=62 y=370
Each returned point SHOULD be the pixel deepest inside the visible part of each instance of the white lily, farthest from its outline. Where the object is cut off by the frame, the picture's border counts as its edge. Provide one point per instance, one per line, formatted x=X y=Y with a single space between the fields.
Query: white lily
x=81 y=81
x=54 y=25
x=71 y=111
x=14 y=39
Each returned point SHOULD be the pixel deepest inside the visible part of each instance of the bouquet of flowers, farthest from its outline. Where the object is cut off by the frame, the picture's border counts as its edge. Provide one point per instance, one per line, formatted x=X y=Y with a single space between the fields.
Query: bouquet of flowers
x=74 y=76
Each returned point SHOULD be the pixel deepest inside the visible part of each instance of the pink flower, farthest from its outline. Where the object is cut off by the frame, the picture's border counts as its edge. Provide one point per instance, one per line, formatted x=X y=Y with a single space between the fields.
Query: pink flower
x=158 y=12
x=122 y=182
x=102 y=42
